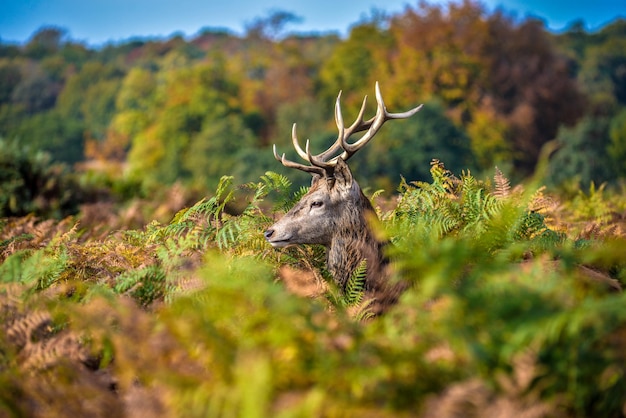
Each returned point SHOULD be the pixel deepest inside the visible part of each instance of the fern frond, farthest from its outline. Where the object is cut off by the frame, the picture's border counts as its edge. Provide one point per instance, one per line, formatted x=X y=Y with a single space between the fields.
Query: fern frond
x=20 y=329
x=145 y=285
x=15 y=239
x=224 y=186
x=363 y=311
x=502 y=185
x=276 y=181
x=227 y=234
x=355 y=287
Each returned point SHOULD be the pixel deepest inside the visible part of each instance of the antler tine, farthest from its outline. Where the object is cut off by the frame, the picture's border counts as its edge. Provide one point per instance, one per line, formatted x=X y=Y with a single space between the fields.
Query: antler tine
x=296 y=143
x=374 y=125
x=336 y=146
x=290 y=164
x=400 y=115
x=357 y=126
x=323 y=163
x=317 y=162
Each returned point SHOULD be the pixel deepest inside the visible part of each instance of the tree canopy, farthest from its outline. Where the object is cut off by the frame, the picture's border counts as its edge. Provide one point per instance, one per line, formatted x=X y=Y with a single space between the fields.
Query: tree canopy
x=496 y=89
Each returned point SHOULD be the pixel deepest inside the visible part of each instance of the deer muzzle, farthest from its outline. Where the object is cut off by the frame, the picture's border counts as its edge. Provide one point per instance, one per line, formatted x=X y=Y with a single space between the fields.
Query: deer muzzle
x=275 y=240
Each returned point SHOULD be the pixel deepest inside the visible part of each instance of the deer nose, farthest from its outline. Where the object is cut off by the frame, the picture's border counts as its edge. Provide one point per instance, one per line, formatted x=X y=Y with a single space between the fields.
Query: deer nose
x=268 y=234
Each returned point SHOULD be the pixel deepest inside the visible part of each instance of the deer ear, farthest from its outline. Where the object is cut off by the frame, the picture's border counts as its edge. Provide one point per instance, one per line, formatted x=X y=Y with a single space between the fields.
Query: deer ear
x=342 y=174
x=315 y=179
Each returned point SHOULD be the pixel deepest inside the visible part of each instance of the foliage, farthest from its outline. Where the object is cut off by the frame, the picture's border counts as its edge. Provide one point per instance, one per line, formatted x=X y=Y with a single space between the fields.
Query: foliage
x=488 y=133
x=451 y=206
x=404 y=149
x=617 y=148
x=161 y=111
x=193 y=120
x=61 y=138
x=479 y=63
x=515 y=305
x=193 y=318
x=353 y=63
x=583 y=153
x=31 y=183
x=592 y=213
x=602 y=70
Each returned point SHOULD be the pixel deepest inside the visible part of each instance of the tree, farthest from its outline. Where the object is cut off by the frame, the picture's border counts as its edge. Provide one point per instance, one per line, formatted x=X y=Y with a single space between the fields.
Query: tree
x=439 y=54
x=134 y=105
x=489 y=133
x=46 y=41
x=215 y=151
x=582 y=154
x=187 y=104
x=10 y=76
x=36 y=91
x=86 y=86
x=51 y=132
x=603 y=72
x=31 y=183
x=485 y=63
x=271 y=27
x=356 y=64
x=530 y=85
x=405 y=148
x=617 y=147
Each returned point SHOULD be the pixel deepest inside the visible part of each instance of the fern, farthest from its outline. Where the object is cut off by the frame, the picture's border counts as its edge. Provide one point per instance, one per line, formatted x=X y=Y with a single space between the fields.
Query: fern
x=281 y=186
x=40 y=268
x=450 y=206
x=226 y=236
x=286 y=200
x=502 y=188
x=202 y=222
x=355 y=287
x=15 y=239
x=454 y=237
x=50 y=269
x=145 y=285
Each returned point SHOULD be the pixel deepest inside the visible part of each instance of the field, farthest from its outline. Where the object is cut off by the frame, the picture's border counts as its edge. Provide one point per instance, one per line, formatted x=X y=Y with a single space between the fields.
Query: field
x=515 y=309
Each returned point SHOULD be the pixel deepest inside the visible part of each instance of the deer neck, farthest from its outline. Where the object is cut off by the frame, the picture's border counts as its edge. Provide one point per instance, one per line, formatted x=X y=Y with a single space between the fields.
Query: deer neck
x=353 y=242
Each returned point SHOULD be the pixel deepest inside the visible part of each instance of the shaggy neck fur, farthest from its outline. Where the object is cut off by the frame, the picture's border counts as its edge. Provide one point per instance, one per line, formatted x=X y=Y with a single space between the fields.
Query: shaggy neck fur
x=354 y=241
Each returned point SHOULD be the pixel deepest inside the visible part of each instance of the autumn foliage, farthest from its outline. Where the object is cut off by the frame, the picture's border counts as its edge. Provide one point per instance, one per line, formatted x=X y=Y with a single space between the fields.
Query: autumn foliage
x=137 y=178
x=160 y=111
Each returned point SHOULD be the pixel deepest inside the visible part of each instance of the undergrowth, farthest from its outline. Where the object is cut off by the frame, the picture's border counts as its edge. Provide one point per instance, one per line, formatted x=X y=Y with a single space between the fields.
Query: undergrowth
x=508 y=313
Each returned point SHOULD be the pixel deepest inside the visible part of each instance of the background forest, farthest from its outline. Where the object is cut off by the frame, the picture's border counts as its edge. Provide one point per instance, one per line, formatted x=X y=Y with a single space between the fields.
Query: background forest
x=144 y=114
x=136 y=180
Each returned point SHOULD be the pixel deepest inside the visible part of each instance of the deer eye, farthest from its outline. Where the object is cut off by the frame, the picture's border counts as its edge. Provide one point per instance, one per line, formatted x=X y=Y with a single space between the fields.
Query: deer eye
x=317 y=204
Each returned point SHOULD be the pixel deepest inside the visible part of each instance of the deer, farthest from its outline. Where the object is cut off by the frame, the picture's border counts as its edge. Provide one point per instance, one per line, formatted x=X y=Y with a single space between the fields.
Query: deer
x=335 y=212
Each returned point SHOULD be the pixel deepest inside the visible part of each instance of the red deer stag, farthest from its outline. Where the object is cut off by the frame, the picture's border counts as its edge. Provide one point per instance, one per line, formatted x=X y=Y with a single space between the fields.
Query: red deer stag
x=335 y=212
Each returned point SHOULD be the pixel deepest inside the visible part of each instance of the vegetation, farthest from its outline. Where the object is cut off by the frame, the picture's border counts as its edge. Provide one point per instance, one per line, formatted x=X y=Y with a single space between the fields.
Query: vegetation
x=201 y=317
x=125 y=292
x=156 y=112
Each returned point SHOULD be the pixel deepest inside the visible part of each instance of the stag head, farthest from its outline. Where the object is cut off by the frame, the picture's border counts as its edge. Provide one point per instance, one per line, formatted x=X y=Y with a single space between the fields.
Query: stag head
x=335 y=203
x=314 y=219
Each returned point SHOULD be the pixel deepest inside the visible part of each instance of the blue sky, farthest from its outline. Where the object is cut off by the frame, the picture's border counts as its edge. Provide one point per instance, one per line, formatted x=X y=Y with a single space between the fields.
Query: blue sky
x=99 y=21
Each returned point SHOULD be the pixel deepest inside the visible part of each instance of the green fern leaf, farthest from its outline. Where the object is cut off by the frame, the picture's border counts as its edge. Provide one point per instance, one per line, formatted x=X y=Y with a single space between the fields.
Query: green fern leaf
x=355 y=286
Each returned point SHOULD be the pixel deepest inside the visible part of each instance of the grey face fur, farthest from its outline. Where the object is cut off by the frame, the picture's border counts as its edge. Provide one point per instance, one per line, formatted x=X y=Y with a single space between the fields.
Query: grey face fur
x=308 y=222
x=316 y=217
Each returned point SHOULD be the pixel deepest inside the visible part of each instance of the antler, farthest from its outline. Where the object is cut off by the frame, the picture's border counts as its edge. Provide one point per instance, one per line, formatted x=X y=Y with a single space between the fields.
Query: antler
x=323 y=163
